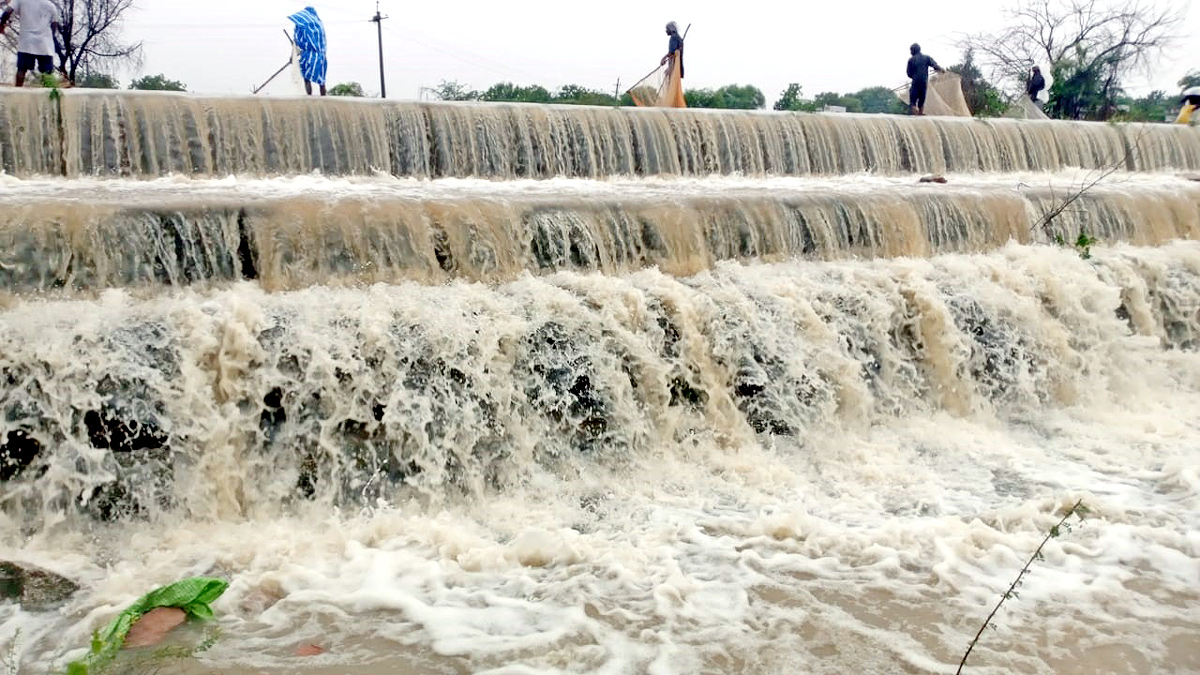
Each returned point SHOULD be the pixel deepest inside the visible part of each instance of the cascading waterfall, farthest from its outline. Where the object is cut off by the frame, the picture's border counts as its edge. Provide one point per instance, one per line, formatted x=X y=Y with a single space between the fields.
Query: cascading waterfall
x=147 y=135
x=295 y=234
x=540 y=389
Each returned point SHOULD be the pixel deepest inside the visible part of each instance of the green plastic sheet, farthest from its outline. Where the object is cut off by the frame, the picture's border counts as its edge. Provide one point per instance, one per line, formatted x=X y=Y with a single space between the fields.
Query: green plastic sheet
x=192 y=595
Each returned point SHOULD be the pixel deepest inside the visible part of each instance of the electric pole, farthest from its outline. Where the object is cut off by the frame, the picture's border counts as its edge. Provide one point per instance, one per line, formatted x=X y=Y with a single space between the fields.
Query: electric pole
x=378 y=21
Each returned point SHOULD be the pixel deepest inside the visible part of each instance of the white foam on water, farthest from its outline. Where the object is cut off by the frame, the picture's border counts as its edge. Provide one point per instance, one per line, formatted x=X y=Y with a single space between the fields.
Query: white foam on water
x=873 y=534
x=183 y=190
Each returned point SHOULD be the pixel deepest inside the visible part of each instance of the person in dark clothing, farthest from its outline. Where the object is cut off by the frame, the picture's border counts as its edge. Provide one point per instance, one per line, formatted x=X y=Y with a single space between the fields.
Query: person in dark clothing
x=674 y=47
x=1036 y=83
x=918 y=71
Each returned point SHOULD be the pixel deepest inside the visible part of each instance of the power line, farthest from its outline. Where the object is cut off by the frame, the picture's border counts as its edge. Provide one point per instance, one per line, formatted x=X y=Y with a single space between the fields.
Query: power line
x=191 y=26
x=473 y=60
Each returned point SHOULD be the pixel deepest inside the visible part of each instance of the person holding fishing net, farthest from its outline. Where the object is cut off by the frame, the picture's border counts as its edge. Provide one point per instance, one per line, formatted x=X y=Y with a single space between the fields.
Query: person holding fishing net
x=664 y=87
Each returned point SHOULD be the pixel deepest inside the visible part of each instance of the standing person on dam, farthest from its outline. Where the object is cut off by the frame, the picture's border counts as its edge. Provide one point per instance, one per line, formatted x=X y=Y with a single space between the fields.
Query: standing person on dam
x=35 y=45
x=664 y=86
x=1036 y=83
x=918 y=71
x=310 y=40
x=674 y=47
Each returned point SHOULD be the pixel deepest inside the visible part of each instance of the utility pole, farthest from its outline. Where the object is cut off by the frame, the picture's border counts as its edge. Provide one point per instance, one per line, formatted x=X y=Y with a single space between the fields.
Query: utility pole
x=378 y=21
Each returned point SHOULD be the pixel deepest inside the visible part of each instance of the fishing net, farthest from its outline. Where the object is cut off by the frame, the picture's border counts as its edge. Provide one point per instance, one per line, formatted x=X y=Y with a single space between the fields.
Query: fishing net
x=1026 y=109
x=662 y=88
x=944 y=98
x=1185 y=114
x=290 y=82
x=297 y=77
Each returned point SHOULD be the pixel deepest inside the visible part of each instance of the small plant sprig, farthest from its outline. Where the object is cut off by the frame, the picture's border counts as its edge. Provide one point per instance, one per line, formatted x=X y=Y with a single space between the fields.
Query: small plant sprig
x=50 y=81
x=1083 y=244
x=1080 y=510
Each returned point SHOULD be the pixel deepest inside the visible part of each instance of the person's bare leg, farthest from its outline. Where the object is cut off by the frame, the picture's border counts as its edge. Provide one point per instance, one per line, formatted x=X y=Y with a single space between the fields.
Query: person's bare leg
x=21 y=77
x=308 y=87
x=322 y=90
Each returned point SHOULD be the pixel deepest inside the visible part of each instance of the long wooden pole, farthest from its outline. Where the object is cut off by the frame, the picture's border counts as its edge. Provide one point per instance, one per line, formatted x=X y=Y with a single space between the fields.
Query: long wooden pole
x=289 y=62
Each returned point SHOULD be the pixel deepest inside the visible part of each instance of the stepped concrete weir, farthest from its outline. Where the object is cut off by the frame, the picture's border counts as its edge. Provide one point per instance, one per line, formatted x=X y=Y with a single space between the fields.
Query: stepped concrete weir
x=148 y=134
x=445 y=388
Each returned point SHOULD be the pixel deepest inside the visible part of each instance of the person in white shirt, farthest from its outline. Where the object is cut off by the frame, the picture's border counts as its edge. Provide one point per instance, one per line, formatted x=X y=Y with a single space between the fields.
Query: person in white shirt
x=35 y=45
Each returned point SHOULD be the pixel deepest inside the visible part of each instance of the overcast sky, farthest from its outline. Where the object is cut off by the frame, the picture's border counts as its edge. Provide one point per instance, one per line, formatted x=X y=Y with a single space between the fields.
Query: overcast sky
x=229 y=46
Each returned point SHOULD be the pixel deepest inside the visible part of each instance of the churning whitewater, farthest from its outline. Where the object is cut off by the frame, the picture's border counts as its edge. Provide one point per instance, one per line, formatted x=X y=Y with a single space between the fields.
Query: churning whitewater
x=794 y=467
x=536 y=390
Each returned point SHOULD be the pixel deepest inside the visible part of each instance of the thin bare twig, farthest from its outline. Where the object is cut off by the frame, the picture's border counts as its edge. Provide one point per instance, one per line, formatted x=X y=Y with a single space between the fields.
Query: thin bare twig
x=1097 y=177
x=1012 y=588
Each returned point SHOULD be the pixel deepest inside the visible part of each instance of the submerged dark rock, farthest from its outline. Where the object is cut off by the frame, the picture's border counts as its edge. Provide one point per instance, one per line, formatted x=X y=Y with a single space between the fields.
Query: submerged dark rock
x=17 y=453
x=37 y=590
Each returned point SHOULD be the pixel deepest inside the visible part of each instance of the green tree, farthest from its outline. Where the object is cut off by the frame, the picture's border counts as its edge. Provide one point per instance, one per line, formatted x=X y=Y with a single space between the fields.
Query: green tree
x=157 y=83
x=701 y=98
x=507 y=91
x=574 y=94
x=982 y=98
x=97 y=81
x=1083 y=89
x=732 y=96
x=453 y=91
x=1154 y=107
x=880 y=100
x=826 y=98
x=1090 y=45
x=830 y=98
x=1192 y=79
x=745 y=97
x=347 y=89
x=791 y=99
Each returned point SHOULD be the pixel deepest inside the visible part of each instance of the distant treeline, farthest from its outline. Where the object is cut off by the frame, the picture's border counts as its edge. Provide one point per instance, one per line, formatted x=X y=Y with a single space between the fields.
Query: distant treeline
x=730 y=97
x=982 y=98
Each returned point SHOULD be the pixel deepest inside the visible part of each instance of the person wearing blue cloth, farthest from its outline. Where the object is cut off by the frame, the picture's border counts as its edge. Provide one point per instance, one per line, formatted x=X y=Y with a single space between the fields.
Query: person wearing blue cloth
x=310 y=40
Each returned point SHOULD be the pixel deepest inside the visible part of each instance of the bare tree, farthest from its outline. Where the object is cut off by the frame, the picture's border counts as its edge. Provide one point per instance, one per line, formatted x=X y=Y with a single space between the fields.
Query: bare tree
x=91 y=36
x=1096 y=42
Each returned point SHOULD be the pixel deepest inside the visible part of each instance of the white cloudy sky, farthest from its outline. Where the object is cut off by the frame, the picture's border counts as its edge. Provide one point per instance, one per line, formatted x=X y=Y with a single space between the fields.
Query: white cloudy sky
x=228 y=46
